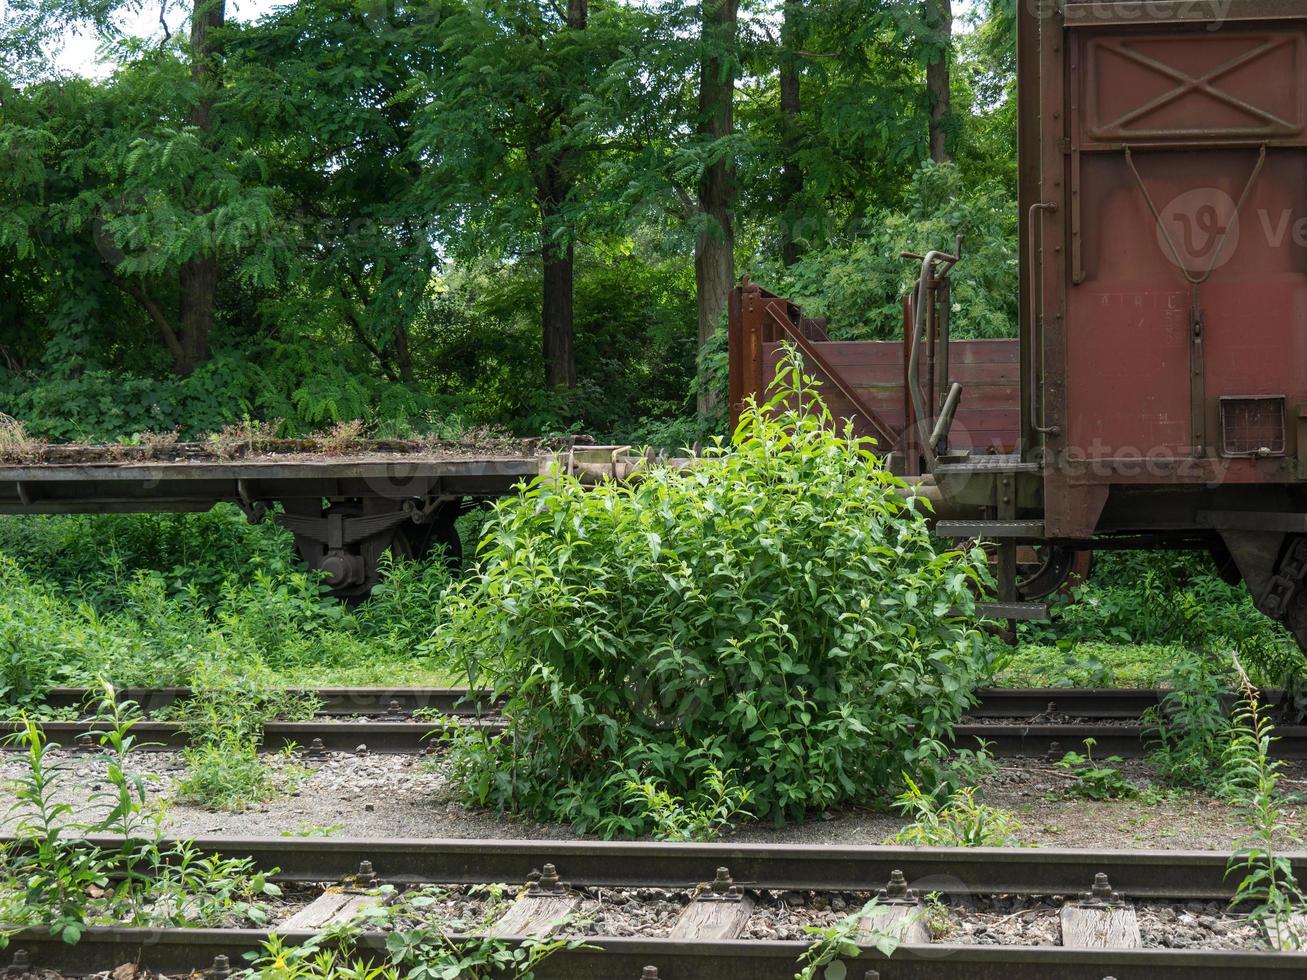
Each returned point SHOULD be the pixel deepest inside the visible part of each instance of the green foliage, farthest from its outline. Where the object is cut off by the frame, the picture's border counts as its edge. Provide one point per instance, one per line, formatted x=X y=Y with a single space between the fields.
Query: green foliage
x=841 y=939
x=1171 y=598
x=953 y=819
x=859 y=283
x=224 y=722
x=1268 y=880
x=720 y=801
x=1191 y=726
x=1094 y=779
x=376 y=188
x=780 y=610
x=54 y=878
x=161 y=600
x=430 y=950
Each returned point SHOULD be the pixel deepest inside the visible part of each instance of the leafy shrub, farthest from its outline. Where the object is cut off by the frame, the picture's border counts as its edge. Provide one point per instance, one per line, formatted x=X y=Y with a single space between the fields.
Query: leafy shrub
x=955 y=819
x=1174 y=599
x=1095 y=779
x=1190 y=729
x=780 y=610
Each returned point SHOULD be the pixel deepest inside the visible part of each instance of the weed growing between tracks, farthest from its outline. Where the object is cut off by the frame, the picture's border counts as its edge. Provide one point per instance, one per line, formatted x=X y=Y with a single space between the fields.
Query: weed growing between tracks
x=224 y=720
x=54 y=878
x=953 y=819
x=843 y=939
x=419 y=945
x=1268 y=880
x=1094 y=779
x=780 y=609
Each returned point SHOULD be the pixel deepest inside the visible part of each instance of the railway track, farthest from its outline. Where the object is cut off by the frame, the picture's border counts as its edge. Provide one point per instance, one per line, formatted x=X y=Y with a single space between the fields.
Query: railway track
x=996 y=702
x=760 y=872
x=1015 y=723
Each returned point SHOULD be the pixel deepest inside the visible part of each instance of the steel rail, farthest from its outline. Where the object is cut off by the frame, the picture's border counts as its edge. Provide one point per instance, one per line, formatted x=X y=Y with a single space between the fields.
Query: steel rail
x=1029 y=741
x=992 y=702
x=1154 y=875
x=173 y=951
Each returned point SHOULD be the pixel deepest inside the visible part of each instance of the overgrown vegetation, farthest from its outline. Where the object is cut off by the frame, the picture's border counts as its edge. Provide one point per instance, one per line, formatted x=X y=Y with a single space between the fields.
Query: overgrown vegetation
x=780 y=610
x=172 y=600
x=1142 y=612
x=953 y=818
x=1191 y=726
x=1268 y=882
x=54 y=878
x=420 y=944
x=224 y=724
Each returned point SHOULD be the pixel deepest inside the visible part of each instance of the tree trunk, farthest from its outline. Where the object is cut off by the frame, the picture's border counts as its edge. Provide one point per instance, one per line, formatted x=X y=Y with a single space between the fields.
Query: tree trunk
x=939 y=15
x=198 y=277
x=553 y=186
x=714 y=249
x=199 y=290
x=791 y=172
x=560 y=347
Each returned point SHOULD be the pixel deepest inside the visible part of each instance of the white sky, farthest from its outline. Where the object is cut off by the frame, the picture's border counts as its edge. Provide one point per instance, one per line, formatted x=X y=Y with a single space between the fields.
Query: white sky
x=78 y=55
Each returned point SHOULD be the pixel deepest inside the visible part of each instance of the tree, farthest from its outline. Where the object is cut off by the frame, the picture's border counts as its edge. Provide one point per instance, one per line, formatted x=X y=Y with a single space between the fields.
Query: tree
x=714 y=247
x=939 y=22
x=791 y=106
x=508 y=145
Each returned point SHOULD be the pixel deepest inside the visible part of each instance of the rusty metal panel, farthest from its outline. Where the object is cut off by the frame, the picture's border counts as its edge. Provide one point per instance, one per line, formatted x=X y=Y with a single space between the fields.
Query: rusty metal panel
x=987 y=419
x=1186 y=190
x=1231 y=84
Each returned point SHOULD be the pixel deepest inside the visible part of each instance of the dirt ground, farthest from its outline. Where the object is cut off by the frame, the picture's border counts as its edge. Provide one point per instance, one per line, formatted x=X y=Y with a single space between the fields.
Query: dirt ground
x=402 y=796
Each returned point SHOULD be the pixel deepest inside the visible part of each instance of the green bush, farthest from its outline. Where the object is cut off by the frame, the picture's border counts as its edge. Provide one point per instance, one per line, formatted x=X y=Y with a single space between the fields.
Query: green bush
x=779 y=610
x=149 y=599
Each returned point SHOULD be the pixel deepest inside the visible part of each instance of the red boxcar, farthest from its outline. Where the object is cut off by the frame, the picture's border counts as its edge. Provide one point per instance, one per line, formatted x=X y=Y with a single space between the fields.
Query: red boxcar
x=1157 y=394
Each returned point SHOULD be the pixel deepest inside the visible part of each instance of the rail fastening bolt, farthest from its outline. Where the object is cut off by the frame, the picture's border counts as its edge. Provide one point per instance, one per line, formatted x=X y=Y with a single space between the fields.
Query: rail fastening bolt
x=22 y=963
x=722 y=884
x=221 y=966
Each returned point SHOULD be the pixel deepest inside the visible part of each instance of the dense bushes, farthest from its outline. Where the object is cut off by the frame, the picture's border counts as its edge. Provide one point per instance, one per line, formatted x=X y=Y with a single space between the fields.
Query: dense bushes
x=1171 y=598
x=779 y=613
x=153 y=600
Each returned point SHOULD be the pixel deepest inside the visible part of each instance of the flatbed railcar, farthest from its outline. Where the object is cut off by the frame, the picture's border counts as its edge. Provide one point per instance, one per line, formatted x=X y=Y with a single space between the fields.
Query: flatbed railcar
x=1156 y=394
x=345 y=510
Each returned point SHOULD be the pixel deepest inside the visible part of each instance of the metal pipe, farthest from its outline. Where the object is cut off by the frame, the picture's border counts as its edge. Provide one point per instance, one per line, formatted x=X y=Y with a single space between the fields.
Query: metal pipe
x=945 y=420
x=1036 y=335
x=918 y=325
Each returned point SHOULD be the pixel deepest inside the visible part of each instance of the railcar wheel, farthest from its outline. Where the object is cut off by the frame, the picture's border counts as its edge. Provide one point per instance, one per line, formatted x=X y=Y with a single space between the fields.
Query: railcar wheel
x=1043 y=570
x=414 y=541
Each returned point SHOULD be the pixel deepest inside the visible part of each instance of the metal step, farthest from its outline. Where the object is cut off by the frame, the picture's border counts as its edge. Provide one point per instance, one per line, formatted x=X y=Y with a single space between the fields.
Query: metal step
x=1013 y=610
x=992 y=463
x=990 y=530
x=1008 y=610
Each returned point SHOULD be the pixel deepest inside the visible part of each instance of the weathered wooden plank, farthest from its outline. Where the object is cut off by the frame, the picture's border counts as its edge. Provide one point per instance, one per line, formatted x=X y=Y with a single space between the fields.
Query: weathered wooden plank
x=906 y=923
x=1295 y=936
x=534 y=915
x=331 y=907
x=1099 y=927
x=708 y=918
